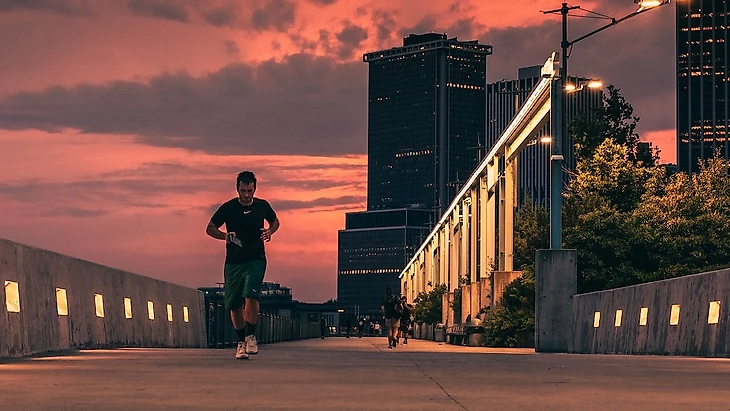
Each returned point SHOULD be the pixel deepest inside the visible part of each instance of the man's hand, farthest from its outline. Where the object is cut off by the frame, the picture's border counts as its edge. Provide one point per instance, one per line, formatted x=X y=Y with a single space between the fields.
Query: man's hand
x=231 y=238
x=266 y=234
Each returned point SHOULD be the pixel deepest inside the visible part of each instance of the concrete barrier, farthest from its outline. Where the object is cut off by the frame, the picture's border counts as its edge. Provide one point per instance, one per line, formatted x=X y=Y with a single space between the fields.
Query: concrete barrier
x=682 y=316
x=53 y=302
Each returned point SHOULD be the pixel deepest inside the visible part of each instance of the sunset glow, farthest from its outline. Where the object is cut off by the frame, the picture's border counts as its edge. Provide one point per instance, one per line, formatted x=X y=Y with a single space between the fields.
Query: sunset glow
x=123 y=125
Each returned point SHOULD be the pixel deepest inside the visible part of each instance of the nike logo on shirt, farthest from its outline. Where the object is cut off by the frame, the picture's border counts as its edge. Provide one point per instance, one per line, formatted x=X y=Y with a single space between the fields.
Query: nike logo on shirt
x=246 y=212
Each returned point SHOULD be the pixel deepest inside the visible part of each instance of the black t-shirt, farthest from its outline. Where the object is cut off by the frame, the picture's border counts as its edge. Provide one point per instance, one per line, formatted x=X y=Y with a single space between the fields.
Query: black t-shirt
x=246 y=222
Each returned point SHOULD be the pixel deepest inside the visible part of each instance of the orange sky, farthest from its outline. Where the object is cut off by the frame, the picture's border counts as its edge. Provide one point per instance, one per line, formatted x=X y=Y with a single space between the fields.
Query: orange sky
x=123 y=124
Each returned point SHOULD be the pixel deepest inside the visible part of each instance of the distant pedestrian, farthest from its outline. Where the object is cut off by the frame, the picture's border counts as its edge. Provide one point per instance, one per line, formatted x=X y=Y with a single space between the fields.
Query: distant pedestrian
x=360 y=326
x=245 y=263
x=405 y=320
x=392 y=309
x=322 y=327
x=348 y=325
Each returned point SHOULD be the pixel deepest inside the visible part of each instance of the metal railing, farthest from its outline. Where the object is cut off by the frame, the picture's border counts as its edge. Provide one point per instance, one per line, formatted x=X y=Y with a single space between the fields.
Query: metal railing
x=270 y=329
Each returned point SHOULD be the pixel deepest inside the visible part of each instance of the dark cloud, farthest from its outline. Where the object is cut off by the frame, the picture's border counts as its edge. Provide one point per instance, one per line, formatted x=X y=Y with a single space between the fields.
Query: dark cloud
x=385 y=25
x=323 y=2
x=232 y=49
x=71 y=7
x=299 y=105
x=224 y=15
x=273 y=14
x=163 y=9
x=350 y=39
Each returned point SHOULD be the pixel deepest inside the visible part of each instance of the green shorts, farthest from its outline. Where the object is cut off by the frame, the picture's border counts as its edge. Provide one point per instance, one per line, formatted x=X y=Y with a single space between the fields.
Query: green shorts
x=243 y=281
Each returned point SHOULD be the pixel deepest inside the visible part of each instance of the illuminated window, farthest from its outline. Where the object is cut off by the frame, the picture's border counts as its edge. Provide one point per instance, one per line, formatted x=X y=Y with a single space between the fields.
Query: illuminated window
x=127 y=308
x=169 y=313
x=12 y=297
x=150 y=310
x=619 y=313
x=185 y=314
x=674 y=317
x=714 y=316
x=61 y=301
x=99 y=304
x=643 y=315
x=596 y=319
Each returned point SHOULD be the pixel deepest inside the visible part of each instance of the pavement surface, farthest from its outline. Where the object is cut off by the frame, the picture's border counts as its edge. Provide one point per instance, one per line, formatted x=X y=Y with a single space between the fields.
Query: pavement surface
x=361 y=374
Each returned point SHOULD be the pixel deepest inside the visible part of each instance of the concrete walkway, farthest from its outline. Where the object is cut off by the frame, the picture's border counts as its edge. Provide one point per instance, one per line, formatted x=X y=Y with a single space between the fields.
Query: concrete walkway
x=339 y=373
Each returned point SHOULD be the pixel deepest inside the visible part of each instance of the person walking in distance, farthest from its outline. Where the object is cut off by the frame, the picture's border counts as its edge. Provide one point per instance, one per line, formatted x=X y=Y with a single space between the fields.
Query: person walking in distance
x=322 y=327
x=245 y=263
x=392 y=310
x=405 y=320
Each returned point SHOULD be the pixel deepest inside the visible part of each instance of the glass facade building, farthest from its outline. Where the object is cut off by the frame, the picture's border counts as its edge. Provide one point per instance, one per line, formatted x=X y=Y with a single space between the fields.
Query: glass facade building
x=702 y=81
x=426 y=116
x=373 y=249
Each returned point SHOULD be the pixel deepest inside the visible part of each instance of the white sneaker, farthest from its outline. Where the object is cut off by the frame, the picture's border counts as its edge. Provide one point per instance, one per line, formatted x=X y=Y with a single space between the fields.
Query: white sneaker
x=252 y=346
x=241 y=351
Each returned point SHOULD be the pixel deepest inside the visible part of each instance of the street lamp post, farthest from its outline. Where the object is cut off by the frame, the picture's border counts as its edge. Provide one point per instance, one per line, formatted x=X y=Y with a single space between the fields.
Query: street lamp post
x=560 y=112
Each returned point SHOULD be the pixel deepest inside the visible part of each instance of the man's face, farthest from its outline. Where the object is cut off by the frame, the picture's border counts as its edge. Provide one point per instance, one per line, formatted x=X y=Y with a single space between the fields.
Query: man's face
x=245 y=192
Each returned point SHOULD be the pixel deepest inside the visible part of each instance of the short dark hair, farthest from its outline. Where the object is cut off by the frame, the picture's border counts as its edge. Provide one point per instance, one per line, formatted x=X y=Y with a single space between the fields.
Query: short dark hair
x=246 y=177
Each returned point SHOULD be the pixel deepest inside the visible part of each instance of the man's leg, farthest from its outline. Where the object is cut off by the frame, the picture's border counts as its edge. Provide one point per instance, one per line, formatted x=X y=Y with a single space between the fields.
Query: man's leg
x=233 y=291
x=252 y=289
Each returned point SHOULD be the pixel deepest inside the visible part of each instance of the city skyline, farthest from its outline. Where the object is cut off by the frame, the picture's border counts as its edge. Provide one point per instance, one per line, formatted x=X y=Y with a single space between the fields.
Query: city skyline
x=124 y=124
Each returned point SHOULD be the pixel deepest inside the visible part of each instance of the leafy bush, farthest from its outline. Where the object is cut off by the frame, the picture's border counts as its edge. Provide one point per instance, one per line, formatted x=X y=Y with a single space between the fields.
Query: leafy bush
x=428 y=305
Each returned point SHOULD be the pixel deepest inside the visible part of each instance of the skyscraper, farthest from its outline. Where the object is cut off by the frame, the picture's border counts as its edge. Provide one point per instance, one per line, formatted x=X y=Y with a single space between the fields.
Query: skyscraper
x=504 y=99
x=425 y=120
x=426 y=117
x=702 y=81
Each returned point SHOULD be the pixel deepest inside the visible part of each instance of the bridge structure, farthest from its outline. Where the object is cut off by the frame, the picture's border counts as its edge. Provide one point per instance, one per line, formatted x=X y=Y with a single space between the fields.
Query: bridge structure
x=473 y=242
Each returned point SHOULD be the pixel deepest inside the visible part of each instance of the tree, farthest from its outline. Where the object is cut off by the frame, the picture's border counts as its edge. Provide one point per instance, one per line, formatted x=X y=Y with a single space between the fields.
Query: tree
x=613 y=120
x=428 y=305
x=531 y=233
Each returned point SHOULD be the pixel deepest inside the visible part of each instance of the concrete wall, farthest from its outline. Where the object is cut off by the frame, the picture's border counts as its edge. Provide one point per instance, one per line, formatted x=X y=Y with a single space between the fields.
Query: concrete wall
x=692 y=335
x=39 y=328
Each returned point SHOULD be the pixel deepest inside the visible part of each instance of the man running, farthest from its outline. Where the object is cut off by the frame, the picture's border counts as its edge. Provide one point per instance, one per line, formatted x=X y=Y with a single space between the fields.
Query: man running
x=245 y=263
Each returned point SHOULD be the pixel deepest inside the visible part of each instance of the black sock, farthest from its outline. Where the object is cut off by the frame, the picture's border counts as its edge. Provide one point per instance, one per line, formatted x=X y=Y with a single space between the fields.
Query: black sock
x=241 y=333
x=250 y=328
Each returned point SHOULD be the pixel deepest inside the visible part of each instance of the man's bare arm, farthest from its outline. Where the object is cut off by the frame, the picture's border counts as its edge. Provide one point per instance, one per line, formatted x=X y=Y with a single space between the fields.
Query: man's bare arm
x=214 y=232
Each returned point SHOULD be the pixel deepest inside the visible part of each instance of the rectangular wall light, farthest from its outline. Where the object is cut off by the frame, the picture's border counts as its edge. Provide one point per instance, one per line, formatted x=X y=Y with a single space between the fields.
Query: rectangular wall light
x=150 y=310
x=61 y=301
x=12 y=297
x=714 y=315
x=674 y=315
x=127 y=308
x=99 y=304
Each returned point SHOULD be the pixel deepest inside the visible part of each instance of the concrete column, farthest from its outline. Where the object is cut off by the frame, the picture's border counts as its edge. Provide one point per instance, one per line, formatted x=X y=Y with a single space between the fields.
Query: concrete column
x=556 y=282
x=473 y=227
x=510 y=200
x=483 y=229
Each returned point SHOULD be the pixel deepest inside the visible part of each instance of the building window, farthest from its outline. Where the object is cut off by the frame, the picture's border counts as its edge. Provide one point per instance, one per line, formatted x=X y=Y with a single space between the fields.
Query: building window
x=150 y=310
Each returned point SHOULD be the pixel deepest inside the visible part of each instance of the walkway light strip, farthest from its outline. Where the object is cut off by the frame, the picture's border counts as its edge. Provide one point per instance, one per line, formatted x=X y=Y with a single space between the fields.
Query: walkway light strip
x=539 y=95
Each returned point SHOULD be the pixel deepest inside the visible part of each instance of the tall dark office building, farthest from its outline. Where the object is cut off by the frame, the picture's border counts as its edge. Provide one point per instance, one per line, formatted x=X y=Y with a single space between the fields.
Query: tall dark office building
x=372 y=250
x=426 y=117
x=504 y=99
x=426 y=109
x=702 y=81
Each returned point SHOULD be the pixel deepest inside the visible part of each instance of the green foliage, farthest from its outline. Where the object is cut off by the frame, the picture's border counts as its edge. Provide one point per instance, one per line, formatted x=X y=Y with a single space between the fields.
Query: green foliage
x=428 y=305
x=532 y=232
x=512 y=322
x=634 y=224
x=613 y=120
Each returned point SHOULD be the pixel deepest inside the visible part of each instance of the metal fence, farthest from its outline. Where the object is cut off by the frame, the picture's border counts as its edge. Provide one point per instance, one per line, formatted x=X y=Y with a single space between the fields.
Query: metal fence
x=270 y=329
